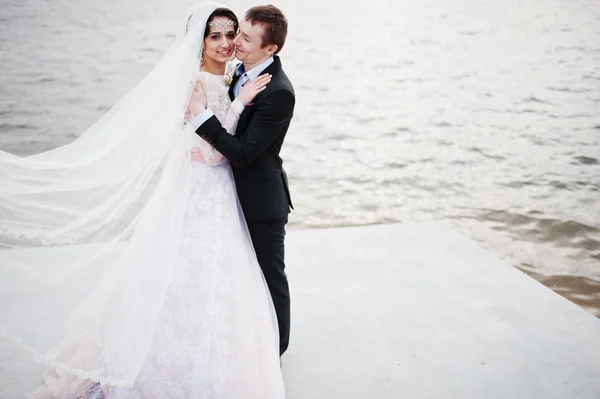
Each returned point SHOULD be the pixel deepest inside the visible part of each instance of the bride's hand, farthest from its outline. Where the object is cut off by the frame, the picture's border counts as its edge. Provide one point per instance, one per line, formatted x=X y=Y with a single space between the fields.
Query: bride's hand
x=252 y=88
x=198 y=100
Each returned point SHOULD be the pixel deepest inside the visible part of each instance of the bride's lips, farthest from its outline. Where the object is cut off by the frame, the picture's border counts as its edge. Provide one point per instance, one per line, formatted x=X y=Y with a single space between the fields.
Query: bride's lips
x=224 y=53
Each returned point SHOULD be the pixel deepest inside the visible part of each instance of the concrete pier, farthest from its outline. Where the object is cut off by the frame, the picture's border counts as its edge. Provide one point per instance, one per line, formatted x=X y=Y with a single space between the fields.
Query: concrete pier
x=418 y=311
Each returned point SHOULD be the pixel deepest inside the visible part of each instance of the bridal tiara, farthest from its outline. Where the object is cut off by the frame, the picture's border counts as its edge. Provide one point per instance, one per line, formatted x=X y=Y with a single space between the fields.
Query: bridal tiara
x=222 y=25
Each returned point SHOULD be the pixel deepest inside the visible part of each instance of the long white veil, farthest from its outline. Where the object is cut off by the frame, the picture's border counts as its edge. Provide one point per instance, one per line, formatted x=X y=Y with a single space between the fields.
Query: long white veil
x=82 y=224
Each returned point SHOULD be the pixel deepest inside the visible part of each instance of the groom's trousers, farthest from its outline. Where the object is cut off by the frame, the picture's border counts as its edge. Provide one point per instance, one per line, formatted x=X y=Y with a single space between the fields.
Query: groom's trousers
x=268 y=240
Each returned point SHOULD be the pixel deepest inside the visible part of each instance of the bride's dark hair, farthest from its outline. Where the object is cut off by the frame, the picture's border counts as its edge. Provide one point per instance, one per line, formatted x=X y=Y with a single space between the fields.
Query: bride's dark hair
x=221 y=12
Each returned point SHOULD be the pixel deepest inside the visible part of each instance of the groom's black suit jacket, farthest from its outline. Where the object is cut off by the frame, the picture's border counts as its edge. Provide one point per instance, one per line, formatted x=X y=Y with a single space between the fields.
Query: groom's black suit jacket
x=253 y=152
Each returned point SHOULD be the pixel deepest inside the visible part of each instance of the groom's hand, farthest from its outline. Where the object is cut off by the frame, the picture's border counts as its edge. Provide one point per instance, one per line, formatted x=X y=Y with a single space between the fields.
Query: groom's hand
x=198 y=100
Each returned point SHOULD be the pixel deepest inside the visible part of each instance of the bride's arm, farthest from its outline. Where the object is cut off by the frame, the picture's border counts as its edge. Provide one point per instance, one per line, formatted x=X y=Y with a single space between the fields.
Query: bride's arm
x=270 y=120
x=206 y=152
x=247 y=94
x=232 y=116
x=202 y=151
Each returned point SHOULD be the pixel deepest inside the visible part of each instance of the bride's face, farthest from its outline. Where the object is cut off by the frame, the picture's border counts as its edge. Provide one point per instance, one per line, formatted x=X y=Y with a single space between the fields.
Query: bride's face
x=218 y=44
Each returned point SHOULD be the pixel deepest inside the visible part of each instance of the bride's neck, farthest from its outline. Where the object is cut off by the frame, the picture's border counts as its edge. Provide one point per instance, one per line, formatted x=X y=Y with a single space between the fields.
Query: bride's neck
x=213 y=67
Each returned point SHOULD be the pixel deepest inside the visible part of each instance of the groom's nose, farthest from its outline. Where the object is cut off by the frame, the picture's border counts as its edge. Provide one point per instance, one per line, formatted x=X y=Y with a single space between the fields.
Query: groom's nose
x=236 y=39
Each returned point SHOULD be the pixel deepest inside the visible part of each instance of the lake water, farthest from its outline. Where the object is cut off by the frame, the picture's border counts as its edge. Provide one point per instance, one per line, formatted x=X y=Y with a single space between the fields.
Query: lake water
x=482 y=113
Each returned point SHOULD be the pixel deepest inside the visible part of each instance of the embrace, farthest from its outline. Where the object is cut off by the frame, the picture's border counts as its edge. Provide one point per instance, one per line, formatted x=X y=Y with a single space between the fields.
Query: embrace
x=146 y=258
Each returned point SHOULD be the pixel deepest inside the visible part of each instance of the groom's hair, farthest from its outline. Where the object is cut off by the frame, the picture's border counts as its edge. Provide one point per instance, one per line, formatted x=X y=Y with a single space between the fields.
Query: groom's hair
x=274 y=22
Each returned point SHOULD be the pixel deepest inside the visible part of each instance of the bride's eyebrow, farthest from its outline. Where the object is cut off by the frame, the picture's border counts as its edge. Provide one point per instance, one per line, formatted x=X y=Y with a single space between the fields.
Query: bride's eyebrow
x=218 y=32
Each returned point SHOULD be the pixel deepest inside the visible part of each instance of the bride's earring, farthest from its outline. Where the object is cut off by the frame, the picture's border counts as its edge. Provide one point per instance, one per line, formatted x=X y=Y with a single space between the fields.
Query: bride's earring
x=201 y=55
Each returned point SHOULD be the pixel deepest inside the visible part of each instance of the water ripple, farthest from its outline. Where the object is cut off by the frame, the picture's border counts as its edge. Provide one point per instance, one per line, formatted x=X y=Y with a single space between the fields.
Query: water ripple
x=504 y=144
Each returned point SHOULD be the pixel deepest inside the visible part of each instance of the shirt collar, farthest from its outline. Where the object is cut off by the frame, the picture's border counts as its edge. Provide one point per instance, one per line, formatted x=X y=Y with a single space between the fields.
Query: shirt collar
x=254 y=72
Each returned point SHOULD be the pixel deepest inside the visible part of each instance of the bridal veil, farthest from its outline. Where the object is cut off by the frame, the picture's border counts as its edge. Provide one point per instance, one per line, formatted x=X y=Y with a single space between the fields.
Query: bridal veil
x=80 y=223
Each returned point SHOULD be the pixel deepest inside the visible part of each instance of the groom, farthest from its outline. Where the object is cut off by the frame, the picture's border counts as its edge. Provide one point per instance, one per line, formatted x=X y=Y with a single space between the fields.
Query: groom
x=254 y=150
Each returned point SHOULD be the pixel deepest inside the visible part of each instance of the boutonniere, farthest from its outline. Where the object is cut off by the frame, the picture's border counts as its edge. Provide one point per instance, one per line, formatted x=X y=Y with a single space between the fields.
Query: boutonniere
x=229 y=71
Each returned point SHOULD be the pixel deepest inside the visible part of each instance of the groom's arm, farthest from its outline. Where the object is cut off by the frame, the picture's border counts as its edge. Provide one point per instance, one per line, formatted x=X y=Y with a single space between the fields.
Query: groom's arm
x=270 y=119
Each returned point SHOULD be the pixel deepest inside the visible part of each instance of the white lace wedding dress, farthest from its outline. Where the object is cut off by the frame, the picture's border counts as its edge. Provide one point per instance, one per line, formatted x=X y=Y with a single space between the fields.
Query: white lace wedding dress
x=216 y=335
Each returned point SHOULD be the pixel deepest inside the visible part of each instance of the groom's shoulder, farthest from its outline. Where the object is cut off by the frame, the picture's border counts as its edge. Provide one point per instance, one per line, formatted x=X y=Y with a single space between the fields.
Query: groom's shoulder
x=282 y=81
x=286 y=82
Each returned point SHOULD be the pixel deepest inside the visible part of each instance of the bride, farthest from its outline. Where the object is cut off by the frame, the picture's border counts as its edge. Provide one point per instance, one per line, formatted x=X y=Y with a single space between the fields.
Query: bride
x=126 y=267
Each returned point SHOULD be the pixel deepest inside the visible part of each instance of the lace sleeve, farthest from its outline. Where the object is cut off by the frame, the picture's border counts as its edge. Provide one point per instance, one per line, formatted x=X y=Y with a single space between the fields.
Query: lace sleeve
x=232 y=116
x=227 y=112
x=207 y=153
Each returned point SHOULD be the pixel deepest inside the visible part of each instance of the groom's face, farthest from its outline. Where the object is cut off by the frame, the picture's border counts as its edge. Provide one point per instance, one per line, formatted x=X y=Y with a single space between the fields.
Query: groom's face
x=249 y=44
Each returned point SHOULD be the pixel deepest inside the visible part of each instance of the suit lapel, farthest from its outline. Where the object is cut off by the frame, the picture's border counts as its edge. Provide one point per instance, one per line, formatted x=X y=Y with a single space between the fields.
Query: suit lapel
x=243 y=121
x=272 y=69
x=232 y=85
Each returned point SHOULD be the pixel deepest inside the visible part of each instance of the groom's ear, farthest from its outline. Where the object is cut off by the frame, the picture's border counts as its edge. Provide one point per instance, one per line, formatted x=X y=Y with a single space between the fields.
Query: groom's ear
x=272 y=49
